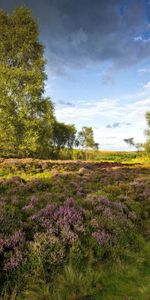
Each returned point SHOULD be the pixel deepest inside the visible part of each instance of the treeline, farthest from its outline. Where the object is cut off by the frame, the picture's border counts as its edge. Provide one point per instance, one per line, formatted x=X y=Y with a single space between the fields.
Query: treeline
x=28 y=126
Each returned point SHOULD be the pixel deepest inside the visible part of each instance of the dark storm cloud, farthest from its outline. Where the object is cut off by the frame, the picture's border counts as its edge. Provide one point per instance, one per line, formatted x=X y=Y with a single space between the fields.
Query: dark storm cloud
x=82 y=33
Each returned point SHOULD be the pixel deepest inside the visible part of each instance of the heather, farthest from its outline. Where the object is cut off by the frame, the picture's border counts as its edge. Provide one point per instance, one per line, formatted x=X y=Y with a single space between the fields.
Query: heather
x=74 y=230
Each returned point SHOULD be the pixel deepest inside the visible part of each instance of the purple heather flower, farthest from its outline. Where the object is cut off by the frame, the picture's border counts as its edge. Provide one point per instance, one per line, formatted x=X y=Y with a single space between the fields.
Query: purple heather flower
x=13 y=240
x=132 y=216
x=119 y=206
x=105 y=201
x=101 y=236
x=145 y=195
x=79 y=193
x=65 y=219
x=34 y=217
x=69 y=202
x=49 y=210
x=14 y=261
x=108 y=213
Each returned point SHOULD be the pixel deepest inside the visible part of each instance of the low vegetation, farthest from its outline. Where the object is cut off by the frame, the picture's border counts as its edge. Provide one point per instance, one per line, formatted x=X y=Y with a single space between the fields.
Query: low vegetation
x=74 y=230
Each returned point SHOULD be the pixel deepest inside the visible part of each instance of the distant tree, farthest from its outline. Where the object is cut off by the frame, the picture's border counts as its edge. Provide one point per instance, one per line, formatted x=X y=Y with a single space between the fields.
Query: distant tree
x=139 y=146
x=63 y=135
x=96 y=146
x=26 y=117
x=130 y=142
x=147 y=132
x=85 y=139
x=71 y=135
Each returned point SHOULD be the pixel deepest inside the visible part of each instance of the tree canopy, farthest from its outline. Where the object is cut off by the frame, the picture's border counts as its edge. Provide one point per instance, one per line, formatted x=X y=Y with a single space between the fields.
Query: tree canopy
x=85 y=138
x=28 y=126
x=64 y=135
x=26 y=117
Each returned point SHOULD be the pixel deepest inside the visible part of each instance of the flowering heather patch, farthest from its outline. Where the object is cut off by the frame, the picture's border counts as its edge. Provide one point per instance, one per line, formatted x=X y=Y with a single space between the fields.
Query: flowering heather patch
x=11 y=251
x=12 y=241
x=14 y=261
x=64 y=220
x=100 y=204
x=54 y=207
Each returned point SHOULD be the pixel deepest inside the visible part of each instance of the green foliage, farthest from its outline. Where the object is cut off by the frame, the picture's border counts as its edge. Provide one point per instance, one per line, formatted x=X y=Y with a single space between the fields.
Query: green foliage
x=48 y=251
x=97 y=155
x=86 y=138
x=63 y=135
x=39 y=291
x=26 y=118
x=147 y=148
x=148 y=119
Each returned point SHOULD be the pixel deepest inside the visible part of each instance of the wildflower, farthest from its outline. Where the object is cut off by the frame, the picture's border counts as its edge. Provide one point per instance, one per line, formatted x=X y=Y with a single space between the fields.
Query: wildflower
x=14 y=261
x=13 y=240
x=104 y=200
x=132 y=216
x=101 y=236
x=119 y=206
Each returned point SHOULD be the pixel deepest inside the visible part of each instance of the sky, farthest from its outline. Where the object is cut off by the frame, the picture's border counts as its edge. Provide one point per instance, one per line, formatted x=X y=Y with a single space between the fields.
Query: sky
x=98 y=64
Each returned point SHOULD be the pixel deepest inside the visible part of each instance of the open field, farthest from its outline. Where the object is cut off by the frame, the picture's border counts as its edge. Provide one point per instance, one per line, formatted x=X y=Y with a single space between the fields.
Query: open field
x=74 y=230
x=128 y=157
x=131 y=157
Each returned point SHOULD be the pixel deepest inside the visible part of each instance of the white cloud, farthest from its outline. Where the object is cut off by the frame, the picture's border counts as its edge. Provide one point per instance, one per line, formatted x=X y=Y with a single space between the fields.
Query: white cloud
x=98 y=113
x=105 y=108
x=147 y=85
x=94 y=109
x=138 y=38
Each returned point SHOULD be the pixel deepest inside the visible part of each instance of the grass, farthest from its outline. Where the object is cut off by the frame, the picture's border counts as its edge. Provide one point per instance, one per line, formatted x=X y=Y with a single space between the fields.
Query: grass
x=38 y=263
x=106 y=281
